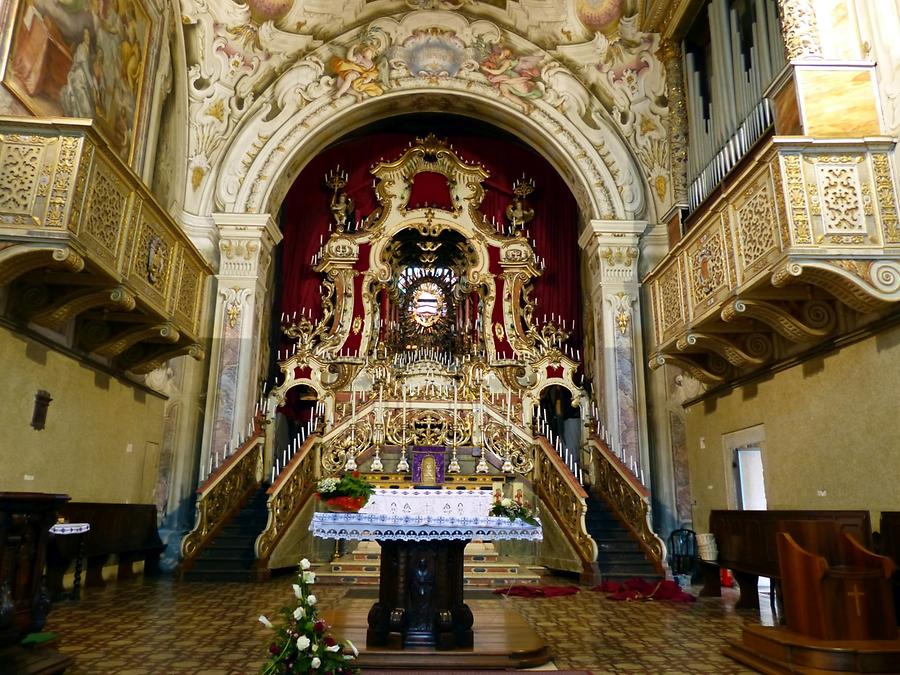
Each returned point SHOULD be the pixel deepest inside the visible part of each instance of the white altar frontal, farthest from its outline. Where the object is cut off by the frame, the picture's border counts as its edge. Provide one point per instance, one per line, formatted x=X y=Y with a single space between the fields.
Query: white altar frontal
x=423 y=534
x=423 y=515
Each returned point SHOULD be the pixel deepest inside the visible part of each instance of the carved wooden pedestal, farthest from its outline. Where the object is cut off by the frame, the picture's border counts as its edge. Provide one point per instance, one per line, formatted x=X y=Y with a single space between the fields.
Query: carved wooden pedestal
x=420 y=596
x=25 y=520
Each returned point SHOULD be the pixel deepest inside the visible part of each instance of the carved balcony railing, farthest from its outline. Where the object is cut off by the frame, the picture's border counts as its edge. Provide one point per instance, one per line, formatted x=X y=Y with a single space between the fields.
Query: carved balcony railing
x=83 y=242
x=287 y=497
x=799 y=245
x=562 y=495
x=223 y=494
x=627 y=498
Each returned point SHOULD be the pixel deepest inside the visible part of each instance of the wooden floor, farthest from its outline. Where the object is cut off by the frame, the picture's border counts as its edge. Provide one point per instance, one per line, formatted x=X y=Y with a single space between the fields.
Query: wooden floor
x=503 y=640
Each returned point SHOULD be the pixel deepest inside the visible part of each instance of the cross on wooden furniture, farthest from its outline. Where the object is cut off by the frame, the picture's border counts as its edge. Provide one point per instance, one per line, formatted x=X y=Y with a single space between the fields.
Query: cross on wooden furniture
x=856 y=595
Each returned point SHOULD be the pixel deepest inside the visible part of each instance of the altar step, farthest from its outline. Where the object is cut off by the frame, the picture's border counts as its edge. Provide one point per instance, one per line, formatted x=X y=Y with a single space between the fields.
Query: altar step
x=619 y=555
x=482 y=566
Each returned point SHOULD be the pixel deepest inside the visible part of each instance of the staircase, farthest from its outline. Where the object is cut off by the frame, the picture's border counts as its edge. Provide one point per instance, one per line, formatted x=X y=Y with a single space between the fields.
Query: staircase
x=619 y=555
x=230 y=556
x=483 y=567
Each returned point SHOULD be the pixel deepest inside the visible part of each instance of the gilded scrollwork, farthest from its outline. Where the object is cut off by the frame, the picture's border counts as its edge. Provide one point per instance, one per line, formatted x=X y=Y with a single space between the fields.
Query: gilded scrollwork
x=632 y=505
x=222 y=493
x=887 y=203
x=560 y=493
x=287 y=498
x=800 y=29
x=797 y=195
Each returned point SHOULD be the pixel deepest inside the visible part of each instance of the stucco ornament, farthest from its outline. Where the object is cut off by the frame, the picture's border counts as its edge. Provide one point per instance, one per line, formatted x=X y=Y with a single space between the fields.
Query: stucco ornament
x=625 y=71
x=236 y=54
x=252 y=127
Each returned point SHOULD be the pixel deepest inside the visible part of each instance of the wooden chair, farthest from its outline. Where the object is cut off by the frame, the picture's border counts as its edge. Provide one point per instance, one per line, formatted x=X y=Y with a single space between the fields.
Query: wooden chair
x=833 y=588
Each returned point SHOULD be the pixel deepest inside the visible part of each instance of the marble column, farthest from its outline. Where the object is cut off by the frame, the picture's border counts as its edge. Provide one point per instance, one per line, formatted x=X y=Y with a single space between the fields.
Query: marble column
x=612 y=249
x=246 y=242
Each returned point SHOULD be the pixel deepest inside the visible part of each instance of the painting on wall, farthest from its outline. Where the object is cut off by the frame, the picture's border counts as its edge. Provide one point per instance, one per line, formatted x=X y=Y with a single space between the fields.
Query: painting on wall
x=82 y=58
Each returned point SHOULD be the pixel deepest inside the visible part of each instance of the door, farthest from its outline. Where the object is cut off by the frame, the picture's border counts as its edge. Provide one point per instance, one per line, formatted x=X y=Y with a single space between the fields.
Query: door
x=750 y=487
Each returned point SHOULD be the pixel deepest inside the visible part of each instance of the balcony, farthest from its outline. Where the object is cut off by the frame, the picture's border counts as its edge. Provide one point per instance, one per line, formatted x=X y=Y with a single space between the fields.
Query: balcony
x=798 y=247
x=87 y=256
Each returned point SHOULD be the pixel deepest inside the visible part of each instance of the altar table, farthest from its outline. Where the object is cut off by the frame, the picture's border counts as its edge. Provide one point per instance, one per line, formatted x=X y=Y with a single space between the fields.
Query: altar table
x=420 y=592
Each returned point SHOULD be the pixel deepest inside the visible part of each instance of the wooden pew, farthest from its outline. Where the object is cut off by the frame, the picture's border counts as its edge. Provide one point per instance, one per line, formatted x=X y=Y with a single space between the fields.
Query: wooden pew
x=890 y=547
x=834 y=589
x=747 y=545
x=127 y=531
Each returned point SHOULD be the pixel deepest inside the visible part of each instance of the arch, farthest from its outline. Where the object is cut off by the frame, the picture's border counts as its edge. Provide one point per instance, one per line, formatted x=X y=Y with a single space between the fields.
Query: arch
x=298 y=116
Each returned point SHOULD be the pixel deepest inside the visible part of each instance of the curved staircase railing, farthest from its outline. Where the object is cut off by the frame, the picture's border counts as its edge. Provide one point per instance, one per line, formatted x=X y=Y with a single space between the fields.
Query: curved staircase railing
x=562 y=494
x=287 y=496
x=628 y=499
x=223 y=493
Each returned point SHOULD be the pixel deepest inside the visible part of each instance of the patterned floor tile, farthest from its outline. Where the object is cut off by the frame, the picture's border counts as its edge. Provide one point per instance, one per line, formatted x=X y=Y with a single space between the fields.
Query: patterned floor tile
x=159 y=626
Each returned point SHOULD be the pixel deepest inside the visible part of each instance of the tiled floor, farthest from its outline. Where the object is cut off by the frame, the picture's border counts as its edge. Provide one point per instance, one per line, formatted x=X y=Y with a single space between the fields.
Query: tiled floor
x=153 y=627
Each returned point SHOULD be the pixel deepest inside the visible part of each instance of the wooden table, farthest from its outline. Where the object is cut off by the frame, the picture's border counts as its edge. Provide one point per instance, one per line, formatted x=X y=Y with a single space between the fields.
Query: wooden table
x=420 y=593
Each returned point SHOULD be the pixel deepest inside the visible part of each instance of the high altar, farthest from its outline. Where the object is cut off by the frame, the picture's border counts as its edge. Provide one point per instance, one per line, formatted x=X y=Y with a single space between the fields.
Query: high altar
x=422 y=534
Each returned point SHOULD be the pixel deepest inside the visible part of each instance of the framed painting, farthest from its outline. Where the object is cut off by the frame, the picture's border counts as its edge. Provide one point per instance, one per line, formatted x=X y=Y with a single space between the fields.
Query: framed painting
x=82 y=58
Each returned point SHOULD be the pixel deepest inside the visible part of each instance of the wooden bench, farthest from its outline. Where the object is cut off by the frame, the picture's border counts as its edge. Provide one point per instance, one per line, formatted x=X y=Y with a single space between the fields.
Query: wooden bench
x=127 y=531
x=889 y=529
x=747 y=546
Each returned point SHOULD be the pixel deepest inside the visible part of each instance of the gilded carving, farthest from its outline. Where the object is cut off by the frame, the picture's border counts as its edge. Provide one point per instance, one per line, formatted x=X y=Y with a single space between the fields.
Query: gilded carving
x=106 y=208
x=797 y=196
x=840 y=198
x=800 y=29
x=627 y=500
x=671 y=306
x=707 y=266
x=19 y=180
x=884 y=191
x=221 y=494
x=756 y=227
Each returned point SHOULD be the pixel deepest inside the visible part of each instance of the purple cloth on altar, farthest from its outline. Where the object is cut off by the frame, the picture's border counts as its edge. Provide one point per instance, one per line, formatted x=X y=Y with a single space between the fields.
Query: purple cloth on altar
x=419 y=453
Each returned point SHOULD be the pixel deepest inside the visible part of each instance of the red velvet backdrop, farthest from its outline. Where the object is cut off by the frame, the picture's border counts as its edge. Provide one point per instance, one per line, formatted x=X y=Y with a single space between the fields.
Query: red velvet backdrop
x=306 y=216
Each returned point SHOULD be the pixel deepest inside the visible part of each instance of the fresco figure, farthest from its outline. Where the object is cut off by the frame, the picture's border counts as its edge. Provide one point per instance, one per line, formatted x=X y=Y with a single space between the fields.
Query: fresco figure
x=517 y=78
x=78 y=95
x=357 y=73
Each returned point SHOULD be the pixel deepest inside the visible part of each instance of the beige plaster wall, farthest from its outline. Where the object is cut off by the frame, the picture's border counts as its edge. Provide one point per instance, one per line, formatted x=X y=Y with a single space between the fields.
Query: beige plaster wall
x=102 y=437
x=832 y=424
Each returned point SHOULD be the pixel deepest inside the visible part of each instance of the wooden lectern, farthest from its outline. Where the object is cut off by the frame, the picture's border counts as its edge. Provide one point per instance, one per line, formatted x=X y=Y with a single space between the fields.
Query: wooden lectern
x=833 y=587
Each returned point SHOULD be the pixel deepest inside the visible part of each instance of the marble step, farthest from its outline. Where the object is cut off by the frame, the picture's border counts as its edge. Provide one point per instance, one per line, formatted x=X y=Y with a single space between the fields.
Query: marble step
x=499 y=573
x=474 y=581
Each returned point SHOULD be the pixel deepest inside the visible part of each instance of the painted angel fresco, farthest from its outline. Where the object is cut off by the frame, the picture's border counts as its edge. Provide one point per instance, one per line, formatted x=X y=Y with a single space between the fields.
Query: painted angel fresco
x=515 y=76
x=363 y=71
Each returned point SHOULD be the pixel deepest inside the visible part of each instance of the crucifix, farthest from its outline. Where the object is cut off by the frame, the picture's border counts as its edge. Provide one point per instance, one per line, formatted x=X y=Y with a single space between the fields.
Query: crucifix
x=856 y=594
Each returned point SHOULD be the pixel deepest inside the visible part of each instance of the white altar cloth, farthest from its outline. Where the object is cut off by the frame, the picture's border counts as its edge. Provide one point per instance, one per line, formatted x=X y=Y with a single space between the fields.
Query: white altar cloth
x=420 y=527
x=413 y=502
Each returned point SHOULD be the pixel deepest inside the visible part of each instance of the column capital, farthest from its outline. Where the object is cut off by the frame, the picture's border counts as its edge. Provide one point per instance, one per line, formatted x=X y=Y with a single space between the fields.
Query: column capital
x=621 y=232
x=246 y=241
x=612 y=249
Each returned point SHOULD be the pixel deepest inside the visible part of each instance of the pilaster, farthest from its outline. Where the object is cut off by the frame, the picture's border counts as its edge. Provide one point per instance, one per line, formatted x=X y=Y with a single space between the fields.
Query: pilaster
x=245 y=243
x=613 y=251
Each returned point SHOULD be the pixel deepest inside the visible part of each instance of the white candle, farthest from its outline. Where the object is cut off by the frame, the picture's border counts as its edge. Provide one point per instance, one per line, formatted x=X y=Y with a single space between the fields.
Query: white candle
x=352 y=403
x=404 y=414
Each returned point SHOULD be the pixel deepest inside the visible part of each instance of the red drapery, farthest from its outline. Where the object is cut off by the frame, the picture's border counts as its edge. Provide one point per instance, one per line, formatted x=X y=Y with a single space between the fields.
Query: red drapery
x=306 y=216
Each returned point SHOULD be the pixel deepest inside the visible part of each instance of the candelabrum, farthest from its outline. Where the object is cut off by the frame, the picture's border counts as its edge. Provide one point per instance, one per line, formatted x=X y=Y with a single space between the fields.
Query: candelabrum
x=403 y=464
x=507 y=457
x=377 y=465
x=453 y=466
x=350 y=464
x=482 y=466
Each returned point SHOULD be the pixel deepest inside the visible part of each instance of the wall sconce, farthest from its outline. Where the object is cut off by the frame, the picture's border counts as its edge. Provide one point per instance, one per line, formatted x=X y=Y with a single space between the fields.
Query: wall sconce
x=41 y=403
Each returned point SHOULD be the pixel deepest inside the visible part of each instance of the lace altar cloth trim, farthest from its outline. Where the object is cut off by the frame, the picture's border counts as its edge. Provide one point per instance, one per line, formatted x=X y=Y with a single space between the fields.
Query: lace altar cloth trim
x=420 y=528
x=70 y=528
x=409 y=502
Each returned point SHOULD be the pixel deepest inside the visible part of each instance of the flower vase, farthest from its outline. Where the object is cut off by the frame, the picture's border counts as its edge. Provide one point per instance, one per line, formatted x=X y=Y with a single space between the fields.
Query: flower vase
x=345 y=504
